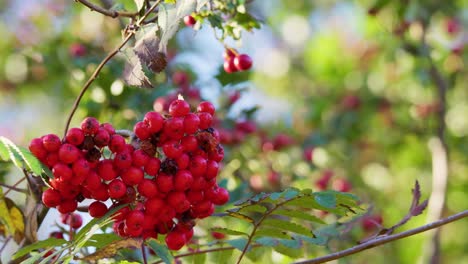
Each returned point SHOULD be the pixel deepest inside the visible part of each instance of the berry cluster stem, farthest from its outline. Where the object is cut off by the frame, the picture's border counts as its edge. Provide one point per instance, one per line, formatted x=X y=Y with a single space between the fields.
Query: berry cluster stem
x=104 y=62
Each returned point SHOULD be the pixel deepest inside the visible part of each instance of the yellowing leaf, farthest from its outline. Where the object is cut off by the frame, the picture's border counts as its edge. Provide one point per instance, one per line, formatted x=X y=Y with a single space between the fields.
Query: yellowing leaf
x=18 y=223
x=111 y=249
x=5 y=218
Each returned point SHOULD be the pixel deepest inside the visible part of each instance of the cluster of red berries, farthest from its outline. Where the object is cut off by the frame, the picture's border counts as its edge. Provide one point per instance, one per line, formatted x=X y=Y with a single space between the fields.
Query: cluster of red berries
x=234 y=62
x=338 y=184
x=164 y=178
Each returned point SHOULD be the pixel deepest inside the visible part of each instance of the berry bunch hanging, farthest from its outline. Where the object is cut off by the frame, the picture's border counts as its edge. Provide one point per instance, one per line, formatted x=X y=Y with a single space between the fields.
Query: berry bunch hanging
x=234 y=62
x=165 y=178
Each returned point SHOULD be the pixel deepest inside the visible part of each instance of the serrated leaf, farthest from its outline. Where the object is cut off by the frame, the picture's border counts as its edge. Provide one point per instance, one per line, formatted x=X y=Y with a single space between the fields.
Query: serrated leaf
x=161 y=251
x=85 y=232
x=270 y=232
x=325 y=199
x=298 y=214
x=318 y=240
x=238 y=243
x=146 y=48
x=288 y=226
x=48 y=243
x=21 y=157
x=169 y=18
x=275 y=196
x=290 y=193
x=228 y=231
x=101 y=240
x=133 y=73
x=140 y=4
x=112 y=248
x=290 y=252
x=241 y=216
x=257 y=208
x=267 y=241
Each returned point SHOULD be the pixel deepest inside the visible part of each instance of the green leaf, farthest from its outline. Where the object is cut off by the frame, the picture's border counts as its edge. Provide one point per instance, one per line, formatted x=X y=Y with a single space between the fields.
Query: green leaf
x=238 y=243
x=21 y=157
x=140 y=4
x=48 y=243
x=161 y=250
x=318 y=240
x=35 y=256
x=222 y=256
x=275 y=196
x=270 y=232
x=290 y=193
x=241 y=216
x=4 y=151
x=257 y=208
x=197 y=259
x=290 y=252
x=325 y=199
x=298 y=214
x=288 y=226
x=101 y=240
x=267 y=241
x=290 y=243
x=228 y=231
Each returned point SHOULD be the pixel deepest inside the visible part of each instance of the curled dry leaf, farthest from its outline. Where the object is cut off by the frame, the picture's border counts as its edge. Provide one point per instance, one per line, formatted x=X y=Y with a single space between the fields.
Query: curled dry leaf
x=111 y=249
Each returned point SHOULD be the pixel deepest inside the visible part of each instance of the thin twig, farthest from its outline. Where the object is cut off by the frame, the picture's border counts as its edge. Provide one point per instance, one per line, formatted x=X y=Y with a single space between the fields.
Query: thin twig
x=104 y=61
x=14 y=186
x=143 y=253
x=107 y=12
x=21 y=190
x=385 y=239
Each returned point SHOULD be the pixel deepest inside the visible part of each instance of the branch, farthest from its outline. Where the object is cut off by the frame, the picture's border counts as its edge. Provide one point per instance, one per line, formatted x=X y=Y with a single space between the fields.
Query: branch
x=439 y=152
x=104 y=61
x=14 y=188
x=385 y=239
x=107 y=12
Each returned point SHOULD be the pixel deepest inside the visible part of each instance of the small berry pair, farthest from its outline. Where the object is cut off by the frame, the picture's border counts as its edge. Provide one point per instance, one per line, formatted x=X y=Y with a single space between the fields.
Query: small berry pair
x=234 y=62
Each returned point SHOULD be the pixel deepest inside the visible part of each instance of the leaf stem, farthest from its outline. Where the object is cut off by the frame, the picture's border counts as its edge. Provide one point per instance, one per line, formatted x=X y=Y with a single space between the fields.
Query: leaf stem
x=385 y=239
x=104 y=61
x=107 y=12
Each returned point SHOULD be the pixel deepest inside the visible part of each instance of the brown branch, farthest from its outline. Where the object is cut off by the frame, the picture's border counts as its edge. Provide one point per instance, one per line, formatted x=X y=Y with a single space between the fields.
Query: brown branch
x=385 y=239
x=107 y=12
x=13 y=188
x=104 y=61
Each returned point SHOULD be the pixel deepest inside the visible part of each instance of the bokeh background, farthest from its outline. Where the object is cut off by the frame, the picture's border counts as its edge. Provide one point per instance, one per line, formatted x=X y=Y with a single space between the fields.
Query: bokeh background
x=337 y=91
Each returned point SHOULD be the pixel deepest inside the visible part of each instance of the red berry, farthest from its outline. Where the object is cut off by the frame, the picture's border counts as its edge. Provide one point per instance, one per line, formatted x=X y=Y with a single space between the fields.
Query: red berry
x=109 y=128
x=372 y=222
x=212 y=168
x=222 y=196
x=341 y=185
x=75 y=136
x=123 y=160
x=132 y=176
x=198 y=166
x=189 y=21
x=154 y=205
x=189 y=143
x=195 y=197
x=164 y=183
x=67 y=206
x=62 y=172
x=68 y=153
x=242 y=62
x=207 y=107
x=51 y=159
x=117 y=143
x=106 y=170
x=191 y=122
x=56 y=234
x=152 y=166
x=142 y=130
x=134 y=219
x=178 y=201
x=77 y=50
x=139 y=158
x=147 y=188
x=183 y=161
x=92 y=181
x=229 y=53
x=51 y=142
x=117 y=189
x=218 y=235
x=155 y=121
x=229 y=65
x=97 y=209
x=172 y=149
x=205 y=119
x=37 y=148
x=51 y=198
x=179 y=108
x=81 y=168
x=102 y=137
x=90 y=126
x=101 y=193
x=174 y=128
x=183 y=180
x=175 y=240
